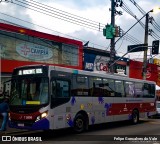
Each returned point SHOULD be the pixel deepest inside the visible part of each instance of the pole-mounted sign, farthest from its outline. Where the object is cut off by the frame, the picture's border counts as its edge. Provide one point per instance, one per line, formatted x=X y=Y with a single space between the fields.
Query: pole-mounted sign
x=137 y=48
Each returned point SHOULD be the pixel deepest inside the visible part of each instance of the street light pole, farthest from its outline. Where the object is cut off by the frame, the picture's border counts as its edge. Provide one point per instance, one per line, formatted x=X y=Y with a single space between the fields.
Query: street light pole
x=145 y=51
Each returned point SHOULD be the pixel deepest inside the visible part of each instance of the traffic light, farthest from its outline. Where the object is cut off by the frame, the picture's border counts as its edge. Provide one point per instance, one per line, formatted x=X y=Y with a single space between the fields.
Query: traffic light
x=155 y=47
x=116 y=31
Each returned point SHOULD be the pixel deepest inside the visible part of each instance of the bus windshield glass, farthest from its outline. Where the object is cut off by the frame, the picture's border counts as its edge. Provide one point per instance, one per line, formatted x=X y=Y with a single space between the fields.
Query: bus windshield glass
x=29 y=91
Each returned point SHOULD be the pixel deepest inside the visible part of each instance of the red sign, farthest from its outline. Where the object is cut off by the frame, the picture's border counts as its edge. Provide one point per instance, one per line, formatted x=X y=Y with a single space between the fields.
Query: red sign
x=158 y=76
x=135 y=71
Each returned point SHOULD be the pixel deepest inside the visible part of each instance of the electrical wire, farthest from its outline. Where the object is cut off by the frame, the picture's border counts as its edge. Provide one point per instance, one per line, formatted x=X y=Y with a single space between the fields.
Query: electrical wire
x=47 y=29
x=61 y=16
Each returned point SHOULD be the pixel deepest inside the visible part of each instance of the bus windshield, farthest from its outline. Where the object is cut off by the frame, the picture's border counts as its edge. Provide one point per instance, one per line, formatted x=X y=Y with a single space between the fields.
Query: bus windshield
x=29 y=91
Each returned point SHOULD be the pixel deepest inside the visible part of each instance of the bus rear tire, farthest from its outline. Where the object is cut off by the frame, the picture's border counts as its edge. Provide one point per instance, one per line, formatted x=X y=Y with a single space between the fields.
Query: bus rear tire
x=135 y=117
x=79 y=123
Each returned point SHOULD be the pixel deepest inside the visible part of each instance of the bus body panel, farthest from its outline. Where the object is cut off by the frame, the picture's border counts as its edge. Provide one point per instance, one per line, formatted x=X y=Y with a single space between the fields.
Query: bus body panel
x=98 y=108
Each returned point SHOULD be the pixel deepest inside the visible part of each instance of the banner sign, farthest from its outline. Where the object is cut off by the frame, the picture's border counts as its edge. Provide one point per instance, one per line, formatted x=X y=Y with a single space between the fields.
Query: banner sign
x=34 y=51
x=135 y=71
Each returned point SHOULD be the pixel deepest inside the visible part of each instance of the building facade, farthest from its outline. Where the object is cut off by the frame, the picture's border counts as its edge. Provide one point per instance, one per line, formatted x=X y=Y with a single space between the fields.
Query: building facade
x=21 y=46
x=96 y=60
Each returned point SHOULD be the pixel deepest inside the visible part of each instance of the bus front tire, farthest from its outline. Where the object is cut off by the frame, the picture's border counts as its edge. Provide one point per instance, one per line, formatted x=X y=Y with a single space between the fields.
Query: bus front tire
x=79 y=123
x=135 y=117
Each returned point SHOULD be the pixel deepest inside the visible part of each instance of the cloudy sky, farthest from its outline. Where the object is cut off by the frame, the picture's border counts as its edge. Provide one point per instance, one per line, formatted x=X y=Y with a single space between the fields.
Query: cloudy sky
x=55 y=17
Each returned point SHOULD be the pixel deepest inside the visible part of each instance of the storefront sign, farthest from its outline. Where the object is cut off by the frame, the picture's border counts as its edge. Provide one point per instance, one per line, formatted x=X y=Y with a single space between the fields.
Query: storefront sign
x=34 y=51
x=135 y=71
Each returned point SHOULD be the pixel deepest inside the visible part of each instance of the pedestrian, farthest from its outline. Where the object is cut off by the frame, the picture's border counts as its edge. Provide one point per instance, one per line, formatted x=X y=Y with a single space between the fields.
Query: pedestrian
x=4 y=108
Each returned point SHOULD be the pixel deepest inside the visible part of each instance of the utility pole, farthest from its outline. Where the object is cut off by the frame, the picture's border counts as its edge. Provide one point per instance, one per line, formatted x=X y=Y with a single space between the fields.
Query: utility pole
x=112 y=48
x=145 y=51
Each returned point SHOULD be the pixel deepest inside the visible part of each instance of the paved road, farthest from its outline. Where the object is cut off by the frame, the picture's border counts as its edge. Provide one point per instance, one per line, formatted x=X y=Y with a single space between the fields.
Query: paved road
x=111 y=132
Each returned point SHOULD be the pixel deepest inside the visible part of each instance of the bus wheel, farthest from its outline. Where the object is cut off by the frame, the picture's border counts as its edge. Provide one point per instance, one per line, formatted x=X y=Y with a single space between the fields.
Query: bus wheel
x=135 y=117
x=79 y=123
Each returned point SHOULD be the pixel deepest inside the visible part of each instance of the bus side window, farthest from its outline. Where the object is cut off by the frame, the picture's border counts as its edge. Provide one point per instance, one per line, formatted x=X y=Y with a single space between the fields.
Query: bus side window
x=62 y=89
x=80 y=85
x=53 y=89
x=95 y=88
x=152 y=90
x=138 y=89
x=119 y=88
x=58 y=90
x=129 y=89
x=146 y=90
x=108 y=87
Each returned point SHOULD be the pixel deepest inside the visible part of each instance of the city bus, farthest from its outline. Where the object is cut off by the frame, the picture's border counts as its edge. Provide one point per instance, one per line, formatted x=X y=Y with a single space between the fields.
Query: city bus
x=45 y=97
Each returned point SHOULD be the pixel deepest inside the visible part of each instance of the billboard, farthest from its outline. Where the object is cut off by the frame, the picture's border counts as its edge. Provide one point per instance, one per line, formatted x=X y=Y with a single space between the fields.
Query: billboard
x=135 y=71
x=99 y=64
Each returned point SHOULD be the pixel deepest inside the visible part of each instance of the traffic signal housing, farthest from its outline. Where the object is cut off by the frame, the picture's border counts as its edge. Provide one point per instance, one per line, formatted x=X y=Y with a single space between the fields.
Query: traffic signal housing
x=116 y=34
x=155 y=47
x=108 y=31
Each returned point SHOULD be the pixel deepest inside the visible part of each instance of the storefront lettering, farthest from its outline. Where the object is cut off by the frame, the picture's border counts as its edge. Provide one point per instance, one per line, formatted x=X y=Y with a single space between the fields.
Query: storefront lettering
x=39 y=51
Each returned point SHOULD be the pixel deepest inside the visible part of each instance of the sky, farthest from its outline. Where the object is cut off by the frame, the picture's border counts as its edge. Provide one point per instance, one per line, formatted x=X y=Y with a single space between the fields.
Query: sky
x=96 y=11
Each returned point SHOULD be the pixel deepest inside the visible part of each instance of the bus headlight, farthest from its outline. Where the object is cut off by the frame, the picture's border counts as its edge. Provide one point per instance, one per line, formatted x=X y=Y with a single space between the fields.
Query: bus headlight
x=43 y=115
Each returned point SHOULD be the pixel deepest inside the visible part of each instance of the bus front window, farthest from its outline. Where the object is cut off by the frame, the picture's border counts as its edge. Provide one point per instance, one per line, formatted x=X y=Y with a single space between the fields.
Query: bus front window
x=29 y=91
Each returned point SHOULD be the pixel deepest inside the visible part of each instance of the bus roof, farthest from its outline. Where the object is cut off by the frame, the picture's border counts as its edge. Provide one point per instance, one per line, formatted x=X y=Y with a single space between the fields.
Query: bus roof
x=76 y=71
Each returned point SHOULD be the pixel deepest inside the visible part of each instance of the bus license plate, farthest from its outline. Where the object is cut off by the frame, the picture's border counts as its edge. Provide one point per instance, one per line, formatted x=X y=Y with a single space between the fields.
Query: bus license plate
x=21 y=124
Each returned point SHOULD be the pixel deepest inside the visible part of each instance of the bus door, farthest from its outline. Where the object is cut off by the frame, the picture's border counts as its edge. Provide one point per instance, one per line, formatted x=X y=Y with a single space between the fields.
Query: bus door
x=108 y=98
x=96 y=91
x=60 y=95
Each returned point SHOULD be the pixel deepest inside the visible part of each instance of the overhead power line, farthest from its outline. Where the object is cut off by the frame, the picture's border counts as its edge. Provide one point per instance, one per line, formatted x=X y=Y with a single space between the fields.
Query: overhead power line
x=50 y=11
x=46 y=29
x=153 y=22
x=127 y=9
x=62 y=15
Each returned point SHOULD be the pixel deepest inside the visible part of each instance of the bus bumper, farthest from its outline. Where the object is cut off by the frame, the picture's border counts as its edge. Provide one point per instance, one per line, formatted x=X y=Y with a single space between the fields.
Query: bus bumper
x=42 y=124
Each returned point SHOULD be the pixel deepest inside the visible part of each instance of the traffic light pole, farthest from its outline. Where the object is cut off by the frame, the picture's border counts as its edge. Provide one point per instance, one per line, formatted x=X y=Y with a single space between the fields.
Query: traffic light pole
x=112 y=48
x=145 y=51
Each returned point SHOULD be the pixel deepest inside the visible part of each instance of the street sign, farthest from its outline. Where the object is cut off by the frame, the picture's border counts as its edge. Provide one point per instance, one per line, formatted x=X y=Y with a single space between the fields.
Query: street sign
x=137 y=48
